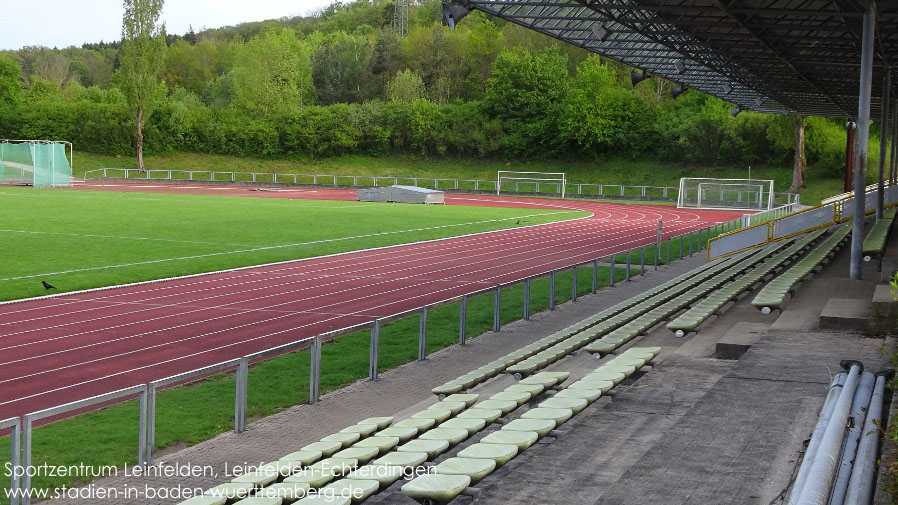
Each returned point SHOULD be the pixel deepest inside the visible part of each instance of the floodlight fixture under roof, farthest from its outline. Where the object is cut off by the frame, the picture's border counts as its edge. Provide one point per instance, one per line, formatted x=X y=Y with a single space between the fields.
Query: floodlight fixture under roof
x=600 y=31
x=680 y=66
x=636 y=77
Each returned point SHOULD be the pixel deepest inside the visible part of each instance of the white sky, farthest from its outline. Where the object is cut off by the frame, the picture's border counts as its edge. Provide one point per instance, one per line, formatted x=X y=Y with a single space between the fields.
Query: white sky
x=63 y=23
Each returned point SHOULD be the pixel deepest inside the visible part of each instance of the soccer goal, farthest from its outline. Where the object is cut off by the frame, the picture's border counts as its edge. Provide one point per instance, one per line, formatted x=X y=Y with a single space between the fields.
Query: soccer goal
x=732 y=194
x=531 y=182
x=38 y=163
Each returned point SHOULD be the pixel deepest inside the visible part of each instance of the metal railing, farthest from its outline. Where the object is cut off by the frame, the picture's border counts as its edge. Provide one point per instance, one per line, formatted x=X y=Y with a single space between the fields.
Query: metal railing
x=581 y=190
x=833 y=211
x=147 y=392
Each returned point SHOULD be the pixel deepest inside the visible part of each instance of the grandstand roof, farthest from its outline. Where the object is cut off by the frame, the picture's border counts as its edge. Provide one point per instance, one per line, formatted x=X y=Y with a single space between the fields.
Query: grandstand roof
x=777 y=56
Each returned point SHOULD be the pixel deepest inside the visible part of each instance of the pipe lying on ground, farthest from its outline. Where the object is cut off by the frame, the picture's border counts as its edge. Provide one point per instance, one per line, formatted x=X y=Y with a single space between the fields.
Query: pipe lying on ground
x=819 y=480
x=825 y=413
x=860 y=487
x=857 y=416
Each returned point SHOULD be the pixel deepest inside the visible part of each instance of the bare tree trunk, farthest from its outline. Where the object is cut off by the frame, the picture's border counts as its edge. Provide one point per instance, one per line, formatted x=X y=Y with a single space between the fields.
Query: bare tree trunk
x=798 y=167
x=140 y=138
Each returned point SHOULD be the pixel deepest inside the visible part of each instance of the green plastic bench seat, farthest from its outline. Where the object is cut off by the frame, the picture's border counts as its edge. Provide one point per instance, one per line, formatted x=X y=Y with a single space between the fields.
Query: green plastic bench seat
x=324 y=500
x=435 y=487
x=487 y=415
x=402 y=459
x=590 y=395
x=471 y=425
x=875 y=241
x=500 y=453
x=418 y=424
x=231 y=490
x=539 y=426
x=642 y=352
x=628 y=361
x=451 y=435
x=346 y=439
x=260 y=500
x=289 y=492
x=524 y=367
x=447 y=388
x=325 y=448
x=336 y=466
x=544 y=381
x=363 y=430
x=560 y=416
x=593 y=383
x=475 y=468
x=505 y=406
x=402 y=433
x=512 y=396
x=361 y=454
x=438 y=415
x=614 y=367
x=520 y=439
x=204 y=500
x=380 y=422
x=600 y=347
x=282 y=467
x=432 y=448
x=575 y=404
x=889 y=213
x=467 y=398
x=258 y=478
x=532 y=389
x=303 y=457
x=314 y=478
x=561 y=376
x=383 y=474
x=356 y=490
x=383 y=444
x=453 y=407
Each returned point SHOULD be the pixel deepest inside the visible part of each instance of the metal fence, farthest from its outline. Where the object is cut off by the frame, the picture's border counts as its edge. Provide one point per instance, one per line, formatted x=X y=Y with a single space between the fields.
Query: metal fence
x=146 y=393
x=577 y=190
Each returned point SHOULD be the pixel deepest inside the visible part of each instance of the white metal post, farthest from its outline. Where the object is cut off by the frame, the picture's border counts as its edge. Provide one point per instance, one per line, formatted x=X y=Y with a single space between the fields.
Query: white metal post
x=863 y=137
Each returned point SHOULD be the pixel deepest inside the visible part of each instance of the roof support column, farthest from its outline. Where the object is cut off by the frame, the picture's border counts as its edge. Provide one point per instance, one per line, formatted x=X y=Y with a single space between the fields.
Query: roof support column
x=893 y=172
x=863 y=138
x=883 y=141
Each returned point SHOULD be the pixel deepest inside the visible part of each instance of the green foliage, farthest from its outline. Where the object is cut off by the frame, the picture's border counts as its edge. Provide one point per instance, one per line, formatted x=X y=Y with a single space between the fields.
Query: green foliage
x=11 y=93
x=406 y=87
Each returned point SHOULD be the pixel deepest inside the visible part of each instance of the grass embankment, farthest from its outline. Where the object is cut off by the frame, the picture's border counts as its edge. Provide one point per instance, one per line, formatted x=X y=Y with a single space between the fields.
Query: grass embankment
x=612 y=171
x=197 y=412
x=79 y=239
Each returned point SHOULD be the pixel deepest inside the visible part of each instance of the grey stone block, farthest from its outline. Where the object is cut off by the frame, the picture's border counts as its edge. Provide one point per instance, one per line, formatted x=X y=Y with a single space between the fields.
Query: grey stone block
x=846 y=314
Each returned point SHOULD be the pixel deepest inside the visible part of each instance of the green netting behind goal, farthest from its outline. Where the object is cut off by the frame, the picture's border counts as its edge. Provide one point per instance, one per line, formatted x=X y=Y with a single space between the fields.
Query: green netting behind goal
x=41 y=164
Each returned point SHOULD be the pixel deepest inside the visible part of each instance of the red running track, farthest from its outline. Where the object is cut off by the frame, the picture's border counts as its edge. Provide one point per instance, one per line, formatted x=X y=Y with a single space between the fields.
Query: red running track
x=55 y=350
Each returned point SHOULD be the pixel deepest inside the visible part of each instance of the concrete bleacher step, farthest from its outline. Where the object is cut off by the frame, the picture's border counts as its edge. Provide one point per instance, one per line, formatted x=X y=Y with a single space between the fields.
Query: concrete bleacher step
x=846 y=314
x=739 y=339
x=884 y=311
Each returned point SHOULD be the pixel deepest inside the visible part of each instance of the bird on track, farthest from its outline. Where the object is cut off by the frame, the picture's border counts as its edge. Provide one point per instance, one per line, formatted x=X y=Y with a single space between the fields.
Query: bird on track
x=47 y=285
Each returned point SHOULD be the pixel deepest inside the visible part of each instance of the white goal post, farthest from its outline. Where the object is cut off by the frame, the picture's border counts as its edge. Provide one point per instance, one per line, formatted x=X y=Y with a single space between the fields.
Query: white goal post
x=558 y=180
x=731 y=194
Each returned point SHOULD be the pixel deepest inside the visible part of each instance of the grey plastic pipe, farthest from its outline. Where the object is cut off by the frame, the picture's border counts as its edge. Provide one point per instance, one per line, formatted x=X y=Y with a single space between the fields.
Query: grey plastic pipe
x=819 y=480
x=860 y=487
x=857 y=416
x=825 y=413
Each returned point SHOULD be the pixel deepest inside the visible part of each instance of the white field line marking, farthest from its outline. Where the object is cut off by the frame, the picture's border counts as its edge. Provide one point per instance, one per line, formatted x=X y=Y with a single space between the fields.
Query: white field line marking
x=280 y=246
x=92 y=235
x=430 y=270
x=193 y=354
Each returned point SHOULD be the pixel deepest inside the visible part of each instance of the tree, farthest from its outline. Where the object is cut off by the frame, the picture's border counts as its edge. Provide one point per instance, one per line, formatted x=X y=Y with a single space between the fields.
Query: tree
x=406 y=87
x=10 y=83
x=798 y=164
x=143 y=50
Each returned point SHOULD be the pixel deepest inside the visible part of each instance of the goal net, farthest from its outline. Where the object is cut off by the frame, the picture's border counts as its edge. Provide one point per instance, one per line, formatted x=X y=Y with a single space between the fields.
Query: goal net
x=531 y=182
x=732 y=194
x=38 y=163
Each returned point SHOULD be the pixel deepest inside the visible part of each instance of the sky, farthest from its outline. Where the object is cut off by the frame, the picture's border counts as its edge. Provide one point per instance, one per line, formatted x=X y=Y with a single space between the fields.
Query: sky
x=63 y=23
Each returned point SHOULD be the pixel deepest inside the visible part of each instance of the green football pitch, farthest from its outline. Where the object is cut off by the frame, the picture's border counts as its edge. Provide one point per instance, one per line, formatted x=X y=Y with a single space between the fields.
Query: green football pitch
x=85 y=239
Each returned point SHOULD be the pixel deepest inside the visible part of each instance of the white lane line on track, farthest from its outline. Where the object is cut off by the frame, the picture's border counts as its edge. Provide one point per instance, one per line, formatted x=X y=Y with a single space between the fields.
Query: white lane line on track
x=273 y=247
x=93 y=235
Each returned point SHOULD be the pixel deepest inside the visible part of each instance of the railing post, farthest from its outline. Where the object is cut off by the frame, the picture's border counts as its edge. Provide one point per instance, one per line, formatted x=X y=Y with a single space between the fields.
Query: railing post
x=142 y=429
x=574 y=283
x=642 y=260
x=628 y=265
x=595 y=276
x=315 y=370
x=691 y=239
x=422 y=335
x=497 y=308
x=611 y=273
x=527 y=299
x=151 y=423
x=26 y=459
x=374 y=349
x=240 y=396
x=658 y=245
x=462 y=319
x=551 y=290
x=15 y=455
